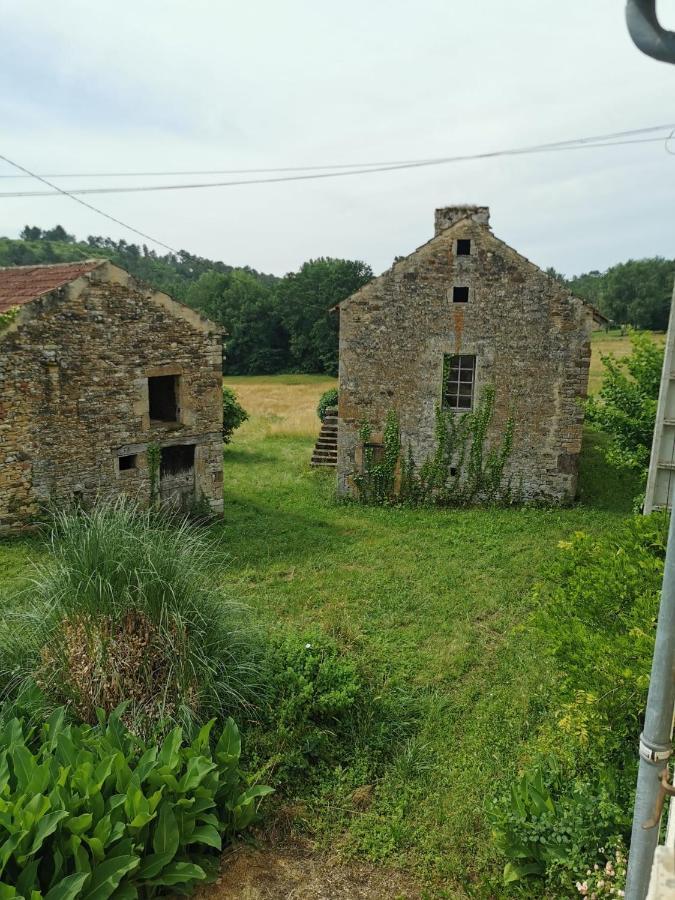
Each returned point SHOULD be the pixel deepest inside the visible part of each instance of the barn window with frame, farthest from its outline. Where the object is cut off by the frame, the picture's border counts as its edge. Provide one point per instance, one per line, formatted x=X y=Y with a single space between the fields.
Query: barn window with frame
x=459 y=377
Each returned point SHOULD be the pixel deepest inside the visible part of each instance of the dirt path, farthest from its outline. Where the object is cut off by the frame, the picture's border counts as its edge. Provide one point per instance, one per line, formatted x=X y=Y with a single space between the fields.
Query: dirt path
x=297 y=872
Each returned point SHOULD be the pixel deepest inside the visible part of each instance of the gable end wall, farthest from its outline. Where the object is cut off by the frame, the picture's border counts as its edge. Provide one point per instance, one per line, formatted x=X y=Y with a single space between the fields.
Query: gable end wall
x=530 y=336
x=74 y=366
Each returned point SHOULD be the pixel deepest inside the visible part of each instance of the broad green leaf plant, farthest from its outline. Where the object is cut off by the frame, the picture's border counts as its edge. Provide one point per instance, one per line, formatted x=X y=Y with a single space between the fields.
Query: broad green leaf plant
x=92 y=812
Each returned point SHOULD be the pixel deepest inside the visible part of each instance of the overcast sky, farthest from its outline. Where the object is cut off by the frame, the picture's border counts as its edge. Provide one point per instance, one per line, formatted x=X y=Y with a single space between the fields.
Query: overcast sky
x=161 y=85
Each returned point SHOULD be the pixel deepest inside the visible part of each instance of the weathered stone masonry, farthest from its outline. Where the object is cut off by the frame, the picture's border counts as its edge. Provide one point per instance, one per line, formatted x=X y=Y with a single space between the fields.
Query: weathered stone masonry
x=77 y=365
x=530 y=338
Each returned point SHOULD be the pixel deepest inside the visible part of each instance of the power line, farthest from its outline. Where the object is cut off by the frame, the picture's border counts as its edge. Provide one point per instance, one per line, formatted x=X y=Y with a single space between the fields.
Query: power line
x=88 y=205
x=609 y=140
x=339 y=166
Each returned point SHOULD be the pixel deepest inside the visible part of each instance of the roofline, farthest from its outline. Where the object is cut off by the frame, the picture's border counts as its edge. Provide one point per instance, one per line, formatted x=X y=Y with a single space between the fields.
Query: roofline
x=175 y=307
x=598 y=317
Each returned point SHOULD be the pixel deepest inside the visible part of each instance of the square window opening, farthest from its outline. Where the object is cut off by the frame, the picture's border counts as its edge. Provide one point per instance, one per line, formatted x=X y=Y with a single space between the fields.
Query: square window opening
x=459 y=377
x=460 y=295
x=463 y=247
x=174 y=460
x=163 y=398
x=127 y=462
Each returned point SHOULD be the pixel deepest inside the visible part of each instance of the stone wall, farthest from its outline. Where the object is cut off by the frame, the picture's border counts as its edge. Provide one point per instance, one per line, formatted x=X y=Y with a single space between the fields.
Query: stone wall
x=74 y=369
x=530 y=337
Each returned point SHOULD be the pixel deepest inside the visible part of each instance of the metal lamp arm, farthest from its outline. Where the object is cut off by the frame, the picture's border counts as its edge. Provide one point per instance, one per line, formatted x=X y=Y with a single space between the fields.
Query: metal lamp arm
x=646 y=31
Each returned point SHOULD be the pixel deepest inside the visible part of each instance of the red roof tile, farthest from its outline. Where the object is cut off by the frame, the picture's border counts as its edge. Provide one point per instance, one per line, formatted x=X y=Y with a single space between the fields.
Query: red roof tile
x=21 y=284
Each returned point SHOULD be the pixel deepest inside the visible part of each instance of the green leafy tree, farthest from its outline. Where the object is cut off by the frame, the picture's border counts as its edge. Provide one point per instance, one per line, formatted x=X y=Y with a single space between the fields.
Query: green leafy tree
x=637 y=292
x=305 y=299
x=256 y=340
x=625 y=407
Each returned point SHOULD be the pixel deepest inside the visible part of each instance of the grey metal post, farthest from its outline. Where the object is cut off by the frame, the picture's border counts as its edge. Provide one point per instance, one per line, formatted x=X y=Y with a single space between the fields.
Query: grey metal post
x=655 y=740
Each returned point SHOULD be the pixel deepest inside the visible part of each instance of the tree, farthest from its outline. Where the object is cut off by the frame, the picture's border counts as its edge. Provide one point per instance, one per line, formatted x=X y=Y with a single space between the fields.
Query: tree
x=637 y=292
x=256 y=340
x=31 y=233
x=305 y=299
x=625 y=407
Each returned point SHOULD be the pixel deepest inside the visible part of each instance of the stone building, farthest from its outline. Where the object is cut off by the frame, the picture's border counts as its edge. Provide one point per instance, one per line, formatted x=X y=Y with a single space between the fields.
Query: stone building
x=95 y=368
x=462 y=312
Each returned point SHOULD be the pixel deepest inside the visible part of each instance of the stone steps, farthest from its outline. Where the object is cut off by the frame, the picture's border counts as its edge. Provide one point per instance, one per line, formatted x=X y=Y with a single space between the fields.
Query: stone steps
x=325 y=449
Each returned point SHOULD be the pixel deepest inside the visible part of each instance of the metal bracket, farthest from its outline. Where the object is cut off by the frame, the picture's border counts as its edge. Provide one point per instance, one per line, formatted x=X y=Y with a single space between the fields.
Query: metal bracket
x=666 y=789
x=652 y=754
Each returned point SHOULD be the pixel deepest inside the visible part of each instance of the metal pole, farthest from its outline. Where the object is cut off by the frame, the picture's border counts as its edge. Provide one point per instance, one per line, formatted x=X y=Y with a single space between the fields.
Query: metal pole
x=655 y=740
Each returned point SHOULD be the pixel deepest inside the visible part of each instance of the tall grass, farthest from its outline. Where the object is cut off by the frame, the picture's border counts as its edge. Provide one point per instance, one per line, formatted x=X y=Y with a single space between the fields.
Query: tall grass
x=124 y=609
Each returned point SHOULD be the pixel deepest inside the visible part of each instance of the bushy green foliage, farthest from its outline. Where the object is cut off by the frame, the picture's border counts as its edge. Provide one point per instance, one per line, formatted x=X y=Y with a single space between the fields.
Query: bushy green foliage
x=234 y=414
x=125 y=608
x=328 y=400
x=8 y=316
x=636 y=292
x=625 y=407
x=459 y=472
x=598 y=620
x=92 y=811
x=321 y=716
x=305 y=299
x=246 y=306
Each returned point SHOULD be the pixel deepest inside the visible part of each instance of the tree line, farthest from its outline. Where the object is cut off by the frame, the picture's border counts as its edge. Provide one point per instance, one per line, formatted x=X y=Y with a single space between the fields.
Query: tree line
x=286 y=324
x=636 y=293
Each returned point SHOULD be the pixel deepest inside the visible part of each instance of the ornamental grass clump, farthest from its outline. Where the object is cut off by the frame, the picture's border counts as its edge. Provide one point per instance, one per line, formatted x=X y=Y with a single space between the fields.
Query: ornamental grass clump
x=125 y=610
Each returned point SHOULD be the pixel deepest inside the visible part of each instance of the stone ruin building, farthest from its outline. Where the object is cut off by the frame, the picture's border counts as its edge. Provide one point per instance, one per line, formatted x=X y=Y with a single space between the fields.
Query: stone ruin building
x=95 y=369
x=461 y=312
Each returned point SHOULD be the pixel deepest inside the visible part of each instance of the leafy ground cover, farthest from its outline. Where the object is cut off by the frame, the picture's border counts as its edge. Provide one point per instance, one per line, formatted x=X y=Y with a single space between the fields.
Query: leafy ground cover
x=427 y=605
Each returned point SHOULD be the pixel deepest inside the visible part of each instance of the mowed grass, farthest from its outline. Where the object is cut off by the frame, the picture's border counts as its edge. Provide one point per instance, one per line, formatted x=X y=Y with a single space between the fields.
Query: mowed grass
x=430 y=603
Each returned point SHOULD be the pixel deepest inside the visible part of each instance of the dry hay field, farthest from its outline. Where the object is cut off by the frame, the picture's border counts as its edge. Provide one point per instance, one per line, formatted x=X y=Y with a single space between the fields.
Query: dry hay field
x=285 y=405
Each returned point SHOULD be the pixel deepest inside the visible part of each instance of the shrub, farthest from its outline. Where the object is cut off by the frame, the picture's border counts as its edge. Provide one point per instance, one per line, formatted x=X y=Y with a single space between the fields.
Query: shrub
x=91 y=811
x=322 y=715
x=597 y=620
x=234 y=414
x=124 y=609
x=625 y=407
x=328 y=400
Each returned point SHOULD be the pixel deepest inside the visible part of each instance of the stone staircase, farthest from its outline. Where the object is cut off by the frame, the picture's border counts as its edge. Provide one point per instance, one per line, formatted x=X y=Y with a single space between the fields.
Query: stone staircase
x=325 y=449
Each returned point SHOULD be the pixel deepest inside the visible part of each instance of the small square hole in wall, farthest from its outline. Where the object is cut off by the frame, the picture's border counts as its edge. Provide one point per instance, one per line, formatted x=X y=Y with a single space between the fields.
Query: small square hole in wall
x=127 y=462
x=174 y=460
x=460 y=295
x=463 y=247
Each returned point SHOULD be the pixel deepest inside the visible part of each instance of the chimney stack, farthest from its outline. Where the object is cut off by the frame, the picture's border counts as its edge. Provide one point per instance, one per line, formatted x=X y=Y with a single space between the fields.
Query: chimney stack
x=448 y=215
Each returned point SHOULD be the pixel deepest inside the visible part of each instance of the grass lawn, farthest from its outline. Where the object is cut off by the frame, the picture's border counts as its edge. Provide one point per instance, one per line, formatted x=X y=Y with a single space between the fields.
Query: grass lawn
x=430 y=604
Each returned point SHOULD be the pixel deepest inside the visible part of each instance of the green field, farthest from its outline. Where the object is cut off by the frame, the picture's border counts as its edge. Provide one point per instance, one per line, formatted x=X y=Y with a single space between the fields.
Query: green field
x=429 y=603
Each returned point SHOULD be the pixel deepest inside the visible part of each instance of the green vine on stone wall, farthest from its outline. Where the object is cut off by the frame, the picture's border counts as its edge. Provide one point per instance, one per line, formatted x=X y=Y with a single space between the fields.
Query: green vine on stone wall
x=460 y=471
x=8 y=316
x=154 y=454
